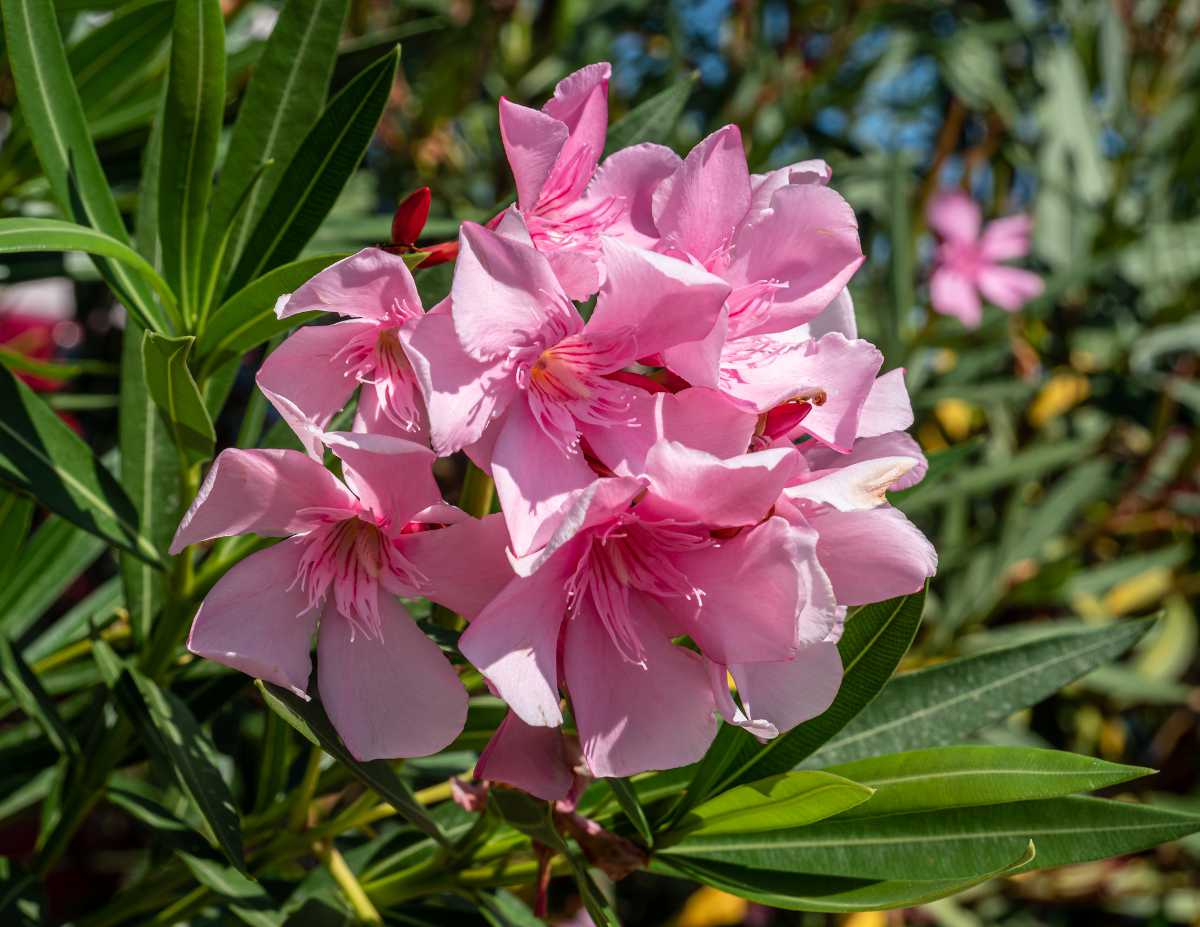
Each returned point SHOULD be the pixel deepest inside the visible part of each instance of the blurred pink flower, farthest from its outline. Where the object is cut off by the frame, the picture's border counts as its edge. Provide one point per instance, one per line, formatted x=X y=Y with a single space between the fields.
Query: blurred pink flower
x=349 y=549
x=968 y=259
x=37 y=320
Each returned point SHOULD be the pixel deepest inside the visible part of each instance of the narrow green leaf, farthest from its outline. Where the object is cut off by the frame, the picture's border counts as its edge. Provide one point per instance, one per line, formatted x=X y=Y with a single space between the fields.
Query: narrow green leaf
x=247 y=319
x=801 y=892
x=53 y=558
x=628 y=800
x=150 y=475
x=96 y=609
x=871 y=647
x=273 y=761
x=944 y=703
x=504 y=909
x=314 y=177
x=170 y=384
x=28 y=792
x=23 y=234
x=309 y=718
x=43 y=456
x=26 y=689
x=246 y=898
x=193 y=110
x=175 y=738
x=778 y=802
x=51 y=107
x=16 y=515
x=282 y=102
x=962 y=776
x=652 y=120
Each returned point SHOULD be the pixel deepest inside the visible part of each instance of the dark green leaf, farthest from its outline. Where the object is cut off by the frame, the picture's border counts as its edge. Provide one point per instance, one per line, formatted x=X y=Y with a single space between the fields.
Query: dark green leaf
x=245 y=897
x=778 y=802
x=504 y=909
x=26 y=689
x=170 y=384
x=327 y=157
x=95 y=610
x=16 y=515
x=52 y=559
x=944 y=703
x=628 y=800
x=43 y=456
x=652 y=120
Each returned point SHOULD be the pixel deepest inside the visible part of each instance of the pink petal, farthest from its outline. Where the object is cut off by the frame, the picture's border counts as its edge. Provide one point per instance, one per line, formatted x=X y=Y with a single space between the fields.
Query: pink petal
x=256 y=619
x=580 y=102
x=1007 y=238
x=697 y=208
x=873 y=555
x=694 y=486
x=893 y=444
x=887 y=408
x=396 y=696
x=718 y=678
x=763 y=595
x=262 y=492
x=631 y=717
x=371 y=284
x=532 y=141
x=699 y=362
x=954 y=216
x=306 y=380
x=505 y=293
x=658 y=300
x=391 y=476
x=464 y=565
x=807 y=240
x=953 y=294
x=632 y=174
x=534 y=478
x=462 y=394
x=793 y=691
x=1009 y=288
x=577 y=273
x=763 y=186
x=514 y=644
x=370 y=417
x=838 y=317
x=854 y=486
x=530 y=758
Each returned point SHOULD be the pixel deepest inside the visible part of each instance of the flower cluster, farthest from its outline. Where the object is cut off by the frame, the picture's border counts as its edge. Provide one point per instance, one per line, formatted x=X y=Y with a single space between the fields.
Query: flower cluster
x=656 y=361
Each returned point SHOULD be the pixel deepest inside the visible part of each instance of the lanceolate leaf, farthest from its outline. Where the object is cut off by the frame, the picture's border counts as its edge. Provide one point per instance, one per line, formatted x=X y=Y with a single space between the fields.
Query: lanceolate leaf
x=19 y=235
x=50 y=106
x=16 y=514
x=55 y=556
x=944 y=703
x=170 y=384
x=150 y=475
x=247 y=319
x=949 y=843
x=284 y=99
x=874 y=641
x=310 y=720
x=25 y=688
x=246 y=898
x=327 y=157
x=194 y=106
x=628 y=800
x=43 y=456
x=653 y=120
x=947 y=777
x=776 y=803
x=800 y=892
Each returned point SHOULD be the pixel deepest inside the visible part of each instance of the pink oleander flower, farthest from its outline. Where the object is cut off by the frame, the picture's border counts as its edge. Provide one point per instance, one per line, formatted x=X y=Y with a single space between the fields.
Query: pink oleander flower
x=553 y=153
x=511 y=371
x=689 y=546
x=310 y=377
x=969 y=260
x=349 y=549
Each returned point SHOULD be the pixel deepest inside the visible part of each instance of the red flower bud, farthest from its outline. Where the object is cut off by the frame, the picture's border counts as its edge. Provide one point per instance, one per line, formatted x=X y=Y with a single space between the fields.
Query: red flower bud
x=439 y=253
x=410 y=217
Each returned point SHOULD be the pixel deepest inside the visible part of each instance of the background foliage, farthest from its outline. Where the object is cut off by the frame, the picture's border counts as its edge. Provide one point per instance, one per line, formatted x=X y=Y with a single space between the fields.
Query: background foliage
x=1062 y=495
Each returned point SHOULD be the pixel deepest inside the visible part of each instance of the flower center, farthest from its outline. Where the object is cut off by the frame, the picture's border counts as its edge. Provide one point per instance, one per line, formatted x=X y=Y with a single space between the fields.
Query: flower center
x=375 y=358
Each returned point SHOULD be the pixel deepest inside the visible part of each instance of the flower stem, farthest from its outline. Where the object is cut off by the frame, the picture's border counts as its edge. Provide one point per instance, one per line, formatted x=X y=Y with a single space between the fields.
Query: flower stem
x=477 y=492
x=344 y=877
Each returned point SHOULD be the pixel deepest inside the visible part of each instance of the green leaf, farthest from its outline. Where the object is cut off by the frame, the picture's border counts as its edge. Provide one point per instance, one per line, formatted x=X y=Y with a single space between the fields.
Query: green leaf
x=26 y=689
x=307 y=189
x=504 y=909
x=309 y=718
x=247 y=319
x=628 y=800
x=246 y=898
x=96 y=609
x=875 y=639
x=175 y=738
x=150 y=475
x=43 y=456
x=652 y=120
x=193 y=110
x=800 y=892
x=55 y=557
x=51 y=107
x=943 y=703
x=282 y=102
x=952 y=842
x=22 y=235
x=962 y=776
x=170 y=384
x=778 y=802
x=16 y=515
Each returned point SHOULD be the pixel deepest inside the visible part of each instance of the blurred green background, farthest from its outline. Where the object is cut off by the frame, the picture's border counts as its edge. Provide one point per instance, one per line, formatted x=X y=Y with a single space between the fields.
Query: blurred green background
x=1063 y=440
